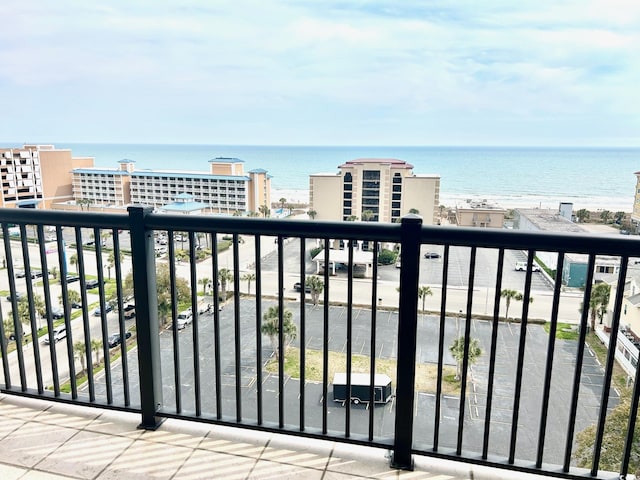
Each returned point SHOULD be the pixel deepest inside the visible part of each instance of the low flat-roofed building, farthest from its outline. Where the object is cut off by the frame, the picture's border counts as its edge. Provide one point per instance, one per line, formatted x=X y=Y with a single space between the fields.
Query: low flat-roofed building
x=480 y=213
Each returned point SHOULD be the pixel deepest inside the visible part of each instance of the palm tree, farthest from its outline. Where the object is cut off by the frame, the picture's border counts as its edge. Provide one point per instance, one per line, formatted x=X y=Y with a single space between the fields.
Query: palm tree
x=264 y=210
x=73 y=260
x=248 y=277
x=423 y=293
x=352 y=218
x=605 y=216
x=316 y=285
x=312 y=214
x=282 y=203
x=618 y=217
x=415 y=211
x=512 y=295
x=78 y=352
x=270 y=327
x=457 y=352
x=367 y=215
x=73 y=296
x=54 y=272
x=111 y=262
x=204 y=282
x=225 y=276
x=598 y=302
x=96 y=345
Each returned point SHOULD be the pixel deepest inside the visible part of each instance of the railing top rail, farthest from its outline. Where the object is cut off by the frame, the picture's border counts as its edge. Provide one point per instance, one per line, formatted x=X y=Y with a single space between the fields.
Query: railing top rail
x=430 y=234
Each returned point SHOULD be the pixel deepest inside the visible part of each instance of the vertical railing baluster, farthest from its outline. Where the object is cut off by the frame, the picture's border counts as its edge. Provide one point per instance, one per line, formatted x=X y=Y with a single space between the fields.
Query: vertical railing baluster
x=17 y=323
x=237 y=329
x=492 y=355
x=325 y=339
x=407 y=326
x=347 y=417
x=216 y=323
x=62 y=260
x=520 y=364
x=281 y=333
x=372 y=345
x=144 y=283
x=47 y=302
x=442 y=327
x=577 y=374
x=302 y=336
x=177 y=375
x=465 y=355
x=33 y=314
x=97 y=235
x=195 y=323
x=259 y=367
x=550 y=354
x=608 y=370
x=85 y=314
x=124 y=362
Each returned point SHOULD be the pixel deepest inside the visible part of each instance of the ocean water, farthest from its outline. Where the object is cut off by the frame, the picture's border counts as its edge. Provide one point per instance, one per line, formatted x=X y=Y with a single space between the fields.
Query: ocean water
x=594 y=178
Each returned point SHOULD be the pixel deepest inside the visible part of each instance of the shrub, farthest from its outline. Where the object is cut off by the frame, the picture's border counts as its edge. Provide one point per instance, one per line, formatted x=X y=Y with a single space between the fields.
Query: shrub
x=387 y=257
x=315 y=251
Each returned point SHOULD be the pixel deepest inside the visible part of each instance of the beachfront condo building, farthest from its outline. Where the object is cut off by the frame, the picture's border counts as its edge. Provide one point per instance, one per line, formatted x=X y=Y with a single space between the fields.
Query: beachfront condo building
x=225 y=188
x=374 y=189
x=37 y=176
x=42 y=176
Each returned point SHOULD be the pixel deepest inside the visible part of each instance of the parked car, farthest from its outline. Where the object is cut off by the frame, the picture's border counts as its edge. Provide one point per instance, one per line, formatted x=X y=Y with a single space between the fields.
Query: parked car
x=129 y=311
x=56 y=313
x=431 y=255
x=72 y=278
x=114 y=339
x=19 y=295
x=23 y=274
x=298 y=287
x=77 y=304
x=92 y=284
x=97 y=312
x=58 y=334
x=184 y=319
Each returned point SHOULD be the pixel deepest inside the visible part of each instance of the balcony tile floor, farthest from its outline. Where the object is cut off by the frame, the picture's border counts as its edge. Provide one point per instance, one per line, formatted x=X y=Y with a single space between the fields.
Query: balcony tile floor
x=51 y=441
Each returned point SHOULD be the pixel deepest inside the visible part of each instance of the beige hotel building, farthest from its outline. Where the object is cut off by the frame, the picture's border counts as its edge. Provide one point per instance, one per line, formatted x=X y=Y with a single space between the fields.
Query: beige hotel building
x=41 y=176
x=374 y=189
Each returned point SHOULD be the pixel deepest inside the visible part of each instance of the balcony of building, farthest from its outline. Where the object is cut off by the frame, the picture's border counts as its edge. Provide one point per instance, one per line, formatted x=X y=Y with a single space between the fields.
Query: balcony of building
x=479 y=380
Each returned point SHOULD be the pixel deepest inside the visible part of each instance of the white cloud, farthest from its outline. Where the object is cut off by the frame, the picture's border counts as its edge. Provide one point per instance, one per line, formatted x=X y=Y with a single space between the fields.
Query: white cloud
x=286 y=60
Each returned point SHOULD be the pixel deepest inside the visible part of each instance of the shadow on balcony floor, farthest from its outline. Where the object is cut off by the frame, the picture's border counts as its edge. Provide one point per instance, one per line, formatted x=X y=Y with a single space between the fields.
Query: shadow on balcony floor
x=48 y=441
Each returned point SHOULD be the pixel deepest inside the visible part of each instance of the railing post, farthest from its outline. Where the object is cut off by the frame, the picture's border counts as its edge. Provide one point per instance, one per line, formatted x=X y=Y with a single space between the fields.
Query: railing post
x=407 y=325
x=147 y=328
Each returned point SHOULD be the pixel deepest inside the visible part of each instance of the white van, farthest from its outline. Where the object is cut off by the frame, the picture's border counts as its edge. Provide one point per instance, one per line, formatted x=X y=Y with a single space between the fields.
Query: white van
x=522 y=266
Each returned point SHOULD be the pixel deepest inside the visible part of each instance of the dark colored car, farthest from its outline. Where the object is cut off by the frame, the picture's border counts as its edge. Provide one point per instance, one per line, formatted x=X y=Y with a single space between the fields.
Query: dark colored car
x=97 y=312
x=114 y=339
x=19 y=295
x=298 y=287
x=72 y=278
x=92 y=284
x=56 y=313
x=431 y=255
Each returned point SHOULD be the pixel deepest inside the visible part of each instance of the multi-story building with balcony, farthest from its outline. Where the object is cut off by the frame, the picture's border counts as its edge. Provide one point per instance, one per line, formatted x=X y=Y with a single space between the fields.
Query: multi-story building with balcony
x=224 y=189
x=374 y=189
x=37 y=175
x=635 y=214
x=480 y=214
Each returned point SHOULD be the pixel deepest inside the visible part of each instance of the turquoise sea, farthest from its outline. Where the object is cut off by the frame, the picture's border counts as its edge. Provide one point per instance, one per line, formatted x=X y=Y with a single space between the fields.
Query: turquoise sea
x=594 y=178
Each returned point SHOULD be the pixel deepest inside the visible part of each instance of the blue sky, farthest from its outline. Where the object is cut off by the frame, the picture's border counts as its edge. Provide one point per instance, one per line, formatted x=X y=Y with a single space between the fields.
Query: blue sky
x=307 y=72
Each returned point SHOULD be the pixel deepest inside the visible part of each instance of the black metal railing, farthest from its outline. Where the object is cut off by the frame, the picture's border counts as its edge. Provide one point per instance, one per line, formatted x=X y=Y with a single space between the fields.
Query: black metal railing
x=197 y=347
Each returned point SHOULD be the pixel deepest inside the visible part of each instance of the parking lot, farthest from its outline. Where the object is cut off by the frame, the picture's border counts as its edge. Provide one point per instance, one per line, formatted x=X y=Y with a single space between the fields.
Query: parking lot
x=386 y=333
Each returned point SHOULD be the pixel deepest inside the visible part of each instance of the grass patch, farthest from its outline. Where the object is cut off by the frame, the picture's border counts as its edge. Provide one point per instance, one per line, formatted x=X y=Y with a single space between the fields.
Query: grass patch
x=426 y=374
x=619 y=376
x=564 y=331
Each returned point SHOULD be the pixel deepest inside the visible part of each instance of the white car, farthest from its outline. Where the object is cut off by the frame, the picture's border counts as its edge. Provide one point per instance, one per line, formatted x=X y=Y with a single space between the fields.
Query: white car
x=58 y=334
x=184 y=319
